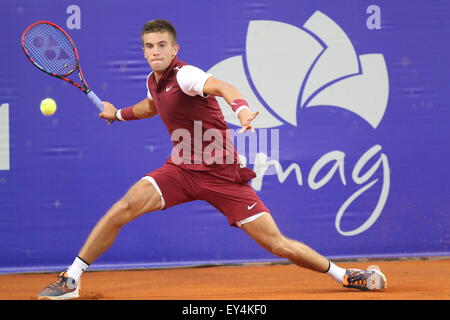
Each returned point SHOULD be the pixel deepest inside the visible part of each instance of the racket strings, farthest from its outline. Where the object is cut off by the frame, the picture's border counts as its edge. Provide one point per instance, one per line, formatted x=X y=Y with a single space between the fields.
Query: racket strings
x=50 y=49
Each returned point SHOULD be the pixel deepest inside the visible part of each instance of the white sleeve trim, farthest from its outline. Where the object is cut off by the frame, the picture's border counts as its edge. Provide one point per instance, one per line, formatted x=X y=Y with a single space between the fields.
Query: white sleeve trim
x=192 y=80
x=149 y=96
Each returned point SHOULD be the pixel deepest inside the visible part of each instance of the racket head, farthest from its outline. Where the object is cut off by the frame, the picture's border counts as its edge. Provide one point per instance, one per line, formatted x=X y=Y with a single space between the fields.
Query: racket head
x=50 y=48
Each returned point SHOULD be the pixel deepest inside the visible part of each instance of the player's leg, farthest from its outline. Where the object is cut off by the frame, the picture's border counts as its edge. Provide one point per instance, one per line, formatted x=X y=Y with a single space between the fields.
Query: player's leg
x=239 y=202
x=266 y=233
x=142 y=197
x=161 y=188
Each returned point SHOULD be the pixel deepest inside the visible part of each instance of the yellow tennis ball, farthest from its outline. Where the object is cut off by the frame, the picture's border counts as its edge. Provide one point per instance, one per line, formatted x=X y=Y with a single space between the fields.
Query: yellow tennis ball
x=48 y=106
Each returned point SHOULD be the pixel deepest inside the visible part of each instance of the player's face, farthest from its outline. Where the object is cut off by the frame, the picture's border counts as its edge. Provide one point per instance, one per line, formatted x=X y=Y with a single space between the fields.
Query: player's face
x=159 y=50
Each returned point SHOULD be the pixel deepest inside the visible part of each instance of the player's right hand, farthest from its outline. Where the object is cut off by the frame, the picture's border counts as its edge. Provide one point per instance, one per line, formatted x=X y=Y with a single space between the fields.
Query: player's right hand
x=108 y=113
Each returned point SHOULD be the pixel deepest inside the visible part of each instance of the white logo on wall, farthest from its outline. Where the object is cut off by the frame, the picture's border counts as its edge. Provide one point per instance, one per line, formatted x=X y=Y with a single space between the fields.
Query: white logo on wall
x=4 y=137
x=312 y=67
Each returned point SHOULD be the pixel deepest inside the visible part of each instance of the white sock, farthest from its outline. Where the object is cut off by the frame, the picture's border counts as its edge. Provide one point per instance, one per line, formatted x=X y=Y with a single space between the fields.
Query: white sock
x=77 y=268
x=336 y=272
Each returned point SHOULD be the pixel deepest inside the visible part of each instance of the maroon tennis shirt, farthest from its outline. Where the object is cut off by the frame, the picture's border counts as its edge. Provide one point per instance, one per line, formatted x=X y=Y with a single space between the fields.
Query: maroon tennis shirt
x=194 y=122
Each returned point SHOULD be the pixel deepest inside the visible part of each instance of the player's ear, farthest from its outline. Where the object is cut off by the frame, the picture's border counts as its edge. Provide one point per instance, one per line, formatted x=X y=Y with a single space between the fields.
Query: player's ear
x=176 y=48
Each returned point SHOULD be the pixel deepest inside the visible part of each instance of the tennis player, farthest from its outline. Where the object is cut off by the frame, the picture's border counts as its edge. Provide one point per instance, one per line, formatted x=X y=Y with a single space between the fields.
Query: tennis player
x=184 y=97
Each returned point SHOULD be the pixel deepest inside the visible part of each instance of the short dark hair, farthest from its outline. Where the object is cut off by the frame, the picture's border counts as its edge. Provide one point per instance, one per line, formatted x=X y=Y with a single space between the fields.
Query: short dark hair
x=159 y=26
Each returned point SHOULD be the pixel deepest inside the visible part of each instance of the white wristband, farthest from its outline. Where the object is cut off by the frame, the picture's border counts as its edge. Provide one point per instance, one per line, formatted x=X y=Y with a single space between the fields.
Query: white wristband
x=240 y=109
x=119 y=115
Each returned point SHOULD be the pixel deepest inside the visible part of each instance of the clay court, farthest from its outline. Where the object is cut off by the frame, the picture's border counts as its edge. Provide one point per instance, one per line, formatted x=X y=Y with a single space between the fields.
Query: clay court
x=416 y=279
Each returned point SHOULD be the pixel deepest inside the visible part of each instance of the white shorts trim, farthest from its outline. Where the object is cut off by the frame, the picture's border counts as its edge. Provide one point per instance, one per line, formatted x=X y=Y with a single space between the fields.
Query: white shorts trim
x=249 y=219
x=153 y=182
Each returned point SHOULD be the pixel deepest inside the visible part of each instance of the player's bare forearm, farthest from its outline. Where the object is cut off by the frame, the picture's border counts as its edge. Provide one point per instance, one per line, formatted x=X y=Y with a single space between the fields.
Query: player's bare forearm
x=144 y=109
x=141 y=110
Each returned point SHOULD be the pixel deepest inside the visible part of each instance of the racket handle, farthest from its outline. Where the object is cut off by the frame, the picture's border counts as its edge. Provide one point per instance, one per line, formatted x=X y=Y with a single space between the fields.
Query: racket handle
x=96 y=100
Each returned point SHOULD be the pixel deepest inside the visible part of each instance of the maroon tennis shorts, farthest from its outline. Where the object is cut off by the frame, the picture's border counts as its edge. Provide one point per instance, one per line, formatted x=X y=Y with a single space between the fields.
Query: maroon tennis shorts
x=225 y=189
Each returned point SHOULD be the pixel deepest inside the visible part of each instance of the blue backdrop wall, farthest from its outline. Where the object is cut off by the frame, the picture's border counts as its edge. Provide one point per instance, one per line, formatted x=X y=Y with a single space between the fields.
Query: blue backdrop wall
x=353 y=94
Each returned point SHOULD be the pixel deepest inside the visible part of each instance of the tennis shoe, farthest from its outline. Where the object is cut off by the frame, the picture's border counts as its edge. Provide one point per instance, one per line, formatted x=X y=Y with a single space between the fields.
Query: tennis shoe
x=62 y=289
x=365 y=280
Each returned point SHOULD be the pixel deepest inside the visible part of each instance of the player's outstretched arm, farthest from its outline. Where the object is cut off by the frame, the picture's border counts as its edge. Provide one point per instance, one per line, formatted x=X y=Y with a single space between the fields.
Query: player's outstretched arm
x=141 y=110
x=232 y=96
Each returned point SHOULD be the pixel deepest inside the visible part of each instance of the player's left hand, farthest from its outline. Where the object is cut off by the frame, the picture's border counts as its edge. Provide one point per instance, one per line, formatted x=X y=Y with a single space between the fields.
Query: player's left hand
x=246 y=117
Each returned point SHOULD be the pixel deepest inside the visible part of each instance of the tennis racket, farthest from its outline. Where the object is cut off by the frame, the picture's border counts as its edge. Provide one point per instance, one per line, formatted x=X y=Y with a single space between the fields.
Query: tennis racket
x=51 y=50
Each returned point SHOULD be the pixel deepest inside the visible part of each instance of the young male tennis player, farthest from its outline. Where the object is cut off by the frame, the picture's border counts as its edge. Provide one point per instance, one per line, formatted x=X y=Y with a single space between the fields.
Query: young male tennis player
x=184 y=96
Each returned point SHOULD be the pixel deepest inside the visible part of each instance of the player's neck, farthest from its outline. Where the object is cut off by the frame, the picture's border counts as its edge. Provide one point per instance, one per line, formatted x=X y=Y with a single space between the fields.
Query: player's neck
x=158 y=75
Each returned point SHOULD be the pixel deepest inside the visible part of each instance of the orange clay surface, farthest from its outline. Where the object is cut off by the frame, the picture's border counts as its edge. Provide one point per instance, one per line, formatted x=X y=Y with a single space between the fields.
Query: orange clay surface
x=407 y=280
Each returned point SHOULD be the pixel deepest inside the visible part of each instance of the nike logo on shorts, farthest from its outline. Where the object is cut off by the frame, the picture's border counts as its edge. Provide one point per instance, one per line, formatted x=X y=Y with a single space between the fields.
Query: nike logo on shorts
x=168 y=88
x=251 y=207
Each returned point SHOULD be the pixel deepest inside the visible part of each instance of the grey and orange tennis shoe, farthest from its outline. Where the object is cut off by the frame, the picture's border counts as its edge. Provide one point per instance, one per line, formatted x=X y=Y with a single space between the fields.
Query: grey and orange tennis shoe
x=62 y=289
x=365 y=280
